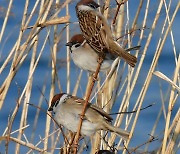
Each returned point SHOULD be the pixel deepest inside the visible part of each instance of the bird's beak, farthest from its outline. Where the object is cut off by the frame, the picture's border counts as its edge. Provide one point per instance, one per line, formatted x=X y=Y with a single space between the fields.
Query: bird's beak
x=50 y=108
x=69 y=44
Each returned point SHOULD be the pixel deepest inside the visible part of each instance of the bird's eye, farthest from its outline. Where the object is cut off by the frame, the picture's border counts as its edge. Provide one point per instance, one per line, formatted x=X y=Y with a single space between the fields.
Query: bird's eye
x=77 y=45
x=92 y=6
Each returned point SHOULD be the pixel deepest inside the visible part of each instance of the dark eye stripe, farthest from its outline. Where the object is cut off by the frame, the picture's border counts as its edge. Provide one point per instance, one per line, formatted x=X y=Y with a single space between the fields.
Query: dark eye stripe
x=77 y=45
x=93 y=5
x=56 y=103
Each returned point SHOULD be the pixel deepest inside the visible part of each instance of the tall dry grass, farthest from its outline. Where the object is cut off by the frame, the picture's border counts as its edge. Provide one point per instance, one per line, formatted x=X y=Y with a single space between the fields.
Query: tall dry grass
x=123 y=89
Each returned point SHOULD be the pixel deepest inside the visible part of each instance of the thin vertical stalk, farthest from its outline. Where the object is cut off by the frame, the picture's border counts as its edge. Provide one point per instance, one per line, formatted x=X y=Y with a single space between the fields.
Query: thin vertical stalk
x=163 y=99
x=18 y=57
x=15 y=56
x=171 y=99
x=53 y=64
x=106 y=8
x=6 y=19
x=174 y=139
x=86 y=102
x=154 y=62
x=68 y=52
x=27 y=95
x=77 y=83
x=10 y=55
x=35 y=124
x=137 y=13
x=171 y=33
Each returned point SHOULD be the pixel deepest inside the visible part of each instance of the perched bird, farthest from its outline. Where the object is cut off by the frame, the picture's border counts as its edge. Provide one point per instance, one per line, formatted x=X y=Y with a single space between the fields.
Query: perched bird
x=97 y=33
x=67 y=110
x=85 y=57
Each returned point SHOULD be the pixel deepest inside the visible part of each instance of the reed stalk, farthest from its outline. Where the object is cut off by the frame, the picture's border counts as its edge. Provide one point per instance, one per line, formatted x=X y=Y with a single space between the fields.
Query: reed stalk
x=39 y=45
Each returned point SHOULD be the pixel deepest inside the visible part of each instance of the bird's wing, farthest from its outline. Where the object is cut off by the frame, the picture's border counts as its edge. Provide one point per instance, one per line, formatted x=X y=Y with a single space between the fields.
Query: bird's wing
x=95 y=29
x=81 y=102
x=102 y=112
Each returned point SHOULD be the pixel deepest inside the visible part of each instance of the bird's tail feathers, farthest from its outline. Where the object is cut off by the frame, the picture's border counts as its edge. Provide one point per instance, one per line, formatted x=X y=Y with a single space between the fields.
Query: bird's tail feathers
x=130 y=59
x=120 y=132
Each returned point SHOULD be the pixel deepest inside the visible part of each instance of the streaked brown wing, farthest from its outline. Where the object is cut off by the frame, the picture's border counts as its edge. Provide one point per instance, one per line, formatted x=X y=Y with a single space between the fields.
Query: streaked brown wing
x=93 y=29
x=94 y=107
x=102 y=112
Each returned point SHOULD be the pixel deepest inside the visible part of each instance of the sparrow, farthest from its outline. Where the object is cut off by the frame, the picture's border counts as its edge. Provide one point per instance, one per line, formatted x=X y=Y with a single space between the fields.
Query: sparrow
x=67 y=110
x=97 y=33
x=85 y=57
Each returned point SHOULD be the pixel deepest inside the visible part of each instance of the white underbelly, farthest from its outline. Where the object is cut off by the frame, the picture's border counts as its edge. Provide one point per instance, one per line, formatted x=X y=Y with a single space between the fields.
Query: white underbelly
x=72 y=123
x=89 y=63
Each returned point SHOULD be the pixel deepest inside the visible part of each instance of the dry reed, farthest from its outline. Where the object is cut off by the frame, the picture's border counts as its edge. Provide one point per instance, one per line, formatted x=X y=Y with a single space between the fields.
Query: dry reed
x=47 y=25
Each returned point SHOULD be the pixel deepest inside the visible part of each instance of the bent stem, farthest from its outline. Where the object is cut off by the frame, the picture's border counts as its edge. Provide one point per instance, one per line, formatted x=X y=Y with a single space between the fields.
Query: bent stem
x=88 y=94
